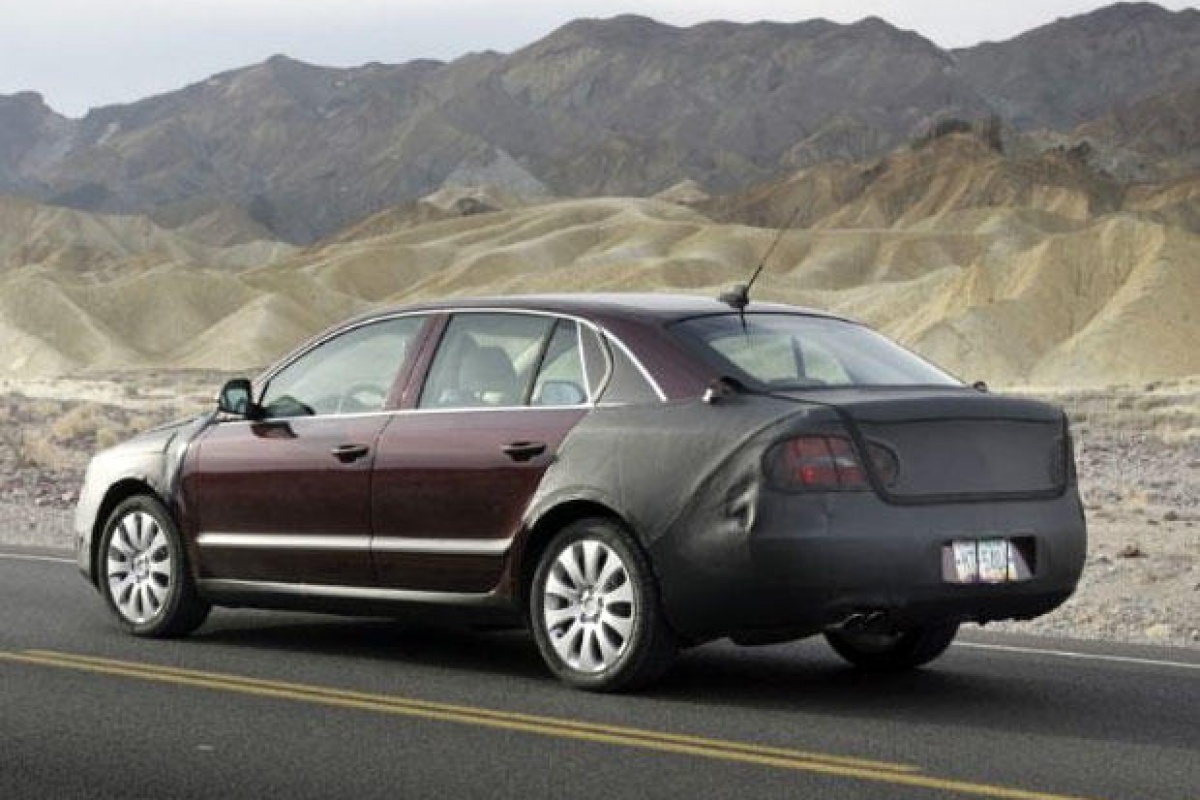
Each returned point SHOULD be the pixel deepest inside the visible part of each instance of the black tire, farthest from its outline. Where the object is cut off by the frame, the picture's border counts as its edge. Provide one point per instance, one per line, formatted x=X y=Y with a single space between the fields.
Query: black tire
x=143 y=572
x=894 y=652
x=614 y=617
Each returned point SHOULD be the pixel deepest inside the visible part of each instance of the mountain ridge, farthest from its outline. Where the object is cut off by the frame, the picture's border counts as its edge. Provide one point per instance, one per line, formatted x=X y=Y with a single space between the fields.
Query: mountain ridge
x=623 y=106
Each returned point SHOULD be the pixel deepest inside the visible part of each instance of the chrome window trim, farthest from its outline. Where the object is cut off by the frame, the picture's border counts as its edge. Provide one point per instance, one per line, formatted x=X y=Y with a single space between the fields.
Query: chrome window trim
x=398 y=412
x=357 y=543
x=229 y=586
x=607 y=338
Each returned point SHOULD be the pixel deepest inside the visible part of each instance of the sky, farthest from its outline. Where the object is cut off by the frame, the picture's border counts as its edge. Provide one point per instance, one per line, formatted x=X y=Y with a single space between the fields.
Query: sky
x=81 y=54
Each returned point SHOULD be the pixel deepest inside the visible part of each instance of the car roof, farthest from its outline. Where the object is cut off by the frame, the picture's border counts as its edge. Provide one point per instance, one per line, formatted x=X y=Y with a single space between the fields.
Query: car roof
x=639 y=305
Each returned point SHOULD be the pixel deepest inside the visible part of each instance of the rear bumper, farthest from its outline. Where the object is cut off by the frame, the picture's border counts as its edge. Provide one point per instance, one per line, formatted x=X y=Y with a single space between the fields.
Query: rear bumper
x=795 y=564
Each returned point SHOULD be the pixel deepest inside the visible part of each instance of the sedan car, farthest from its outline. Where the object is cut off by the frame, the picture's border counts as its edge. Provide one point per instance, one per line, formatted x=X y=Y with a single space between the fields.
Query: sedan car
x=624 y=474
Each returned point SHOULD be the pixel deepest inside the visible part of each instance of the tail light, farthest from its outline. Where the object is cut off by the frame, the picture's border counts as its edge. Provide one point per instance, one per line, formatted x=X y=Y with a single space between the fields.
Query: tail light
x=828 y=463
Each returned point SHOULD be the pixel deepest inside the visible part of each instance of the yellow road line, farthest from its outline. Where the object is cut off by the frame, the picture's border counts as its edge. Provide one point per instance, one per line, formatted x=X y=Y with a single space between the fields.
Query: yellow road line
x=432 y=706
x=716 y=749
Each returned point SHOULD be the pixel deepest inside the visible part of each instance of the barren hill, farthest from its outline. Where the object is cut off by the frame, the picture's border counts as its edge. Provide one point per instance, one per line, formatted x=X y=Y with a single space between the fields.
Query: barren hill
x=996 y=270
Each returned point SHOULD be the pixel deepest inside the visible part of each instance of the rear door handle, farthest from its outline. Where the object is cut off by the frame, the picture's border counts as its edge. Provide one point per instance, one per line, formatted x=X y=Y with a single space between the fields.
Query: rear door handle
x=523 y=451
x=349 y=453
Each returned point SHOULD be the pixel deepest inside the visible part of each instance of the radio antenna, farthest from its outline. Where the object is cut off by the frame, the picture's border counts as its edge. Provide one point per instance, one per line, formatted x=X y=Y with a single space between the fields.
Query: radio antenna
x=737 y=296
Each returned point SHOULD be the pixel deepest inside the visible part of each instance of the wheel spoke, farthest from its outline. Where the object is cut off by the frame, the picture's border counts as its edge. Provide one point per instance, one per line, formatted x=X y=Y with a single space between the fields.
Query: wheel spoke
x=555 y=587
x=620 y=625
x=139 y=531
x=118 y=584
x=123 y=537
x=591 y=553
x=150 y=532
x=609 y=572
x=157 y=592
x=564 y=644
x=158 y=549
x=610 y=645
x=570 y=564
x=587 y=651
x=557 y=616
x=620 y=595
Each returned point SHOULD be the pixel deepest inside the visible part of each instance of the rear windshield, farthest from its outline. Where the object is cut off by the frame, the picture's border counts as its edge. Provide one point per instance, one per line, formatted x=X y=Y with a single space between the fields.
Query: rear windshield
x=791 y=351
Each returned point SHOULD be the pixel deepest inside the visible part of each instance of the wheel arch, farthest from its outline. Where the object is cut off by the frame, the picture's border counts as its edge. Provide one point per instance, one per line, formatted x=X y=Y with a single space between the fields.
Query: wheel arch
x=118 y=493
x=544 y=529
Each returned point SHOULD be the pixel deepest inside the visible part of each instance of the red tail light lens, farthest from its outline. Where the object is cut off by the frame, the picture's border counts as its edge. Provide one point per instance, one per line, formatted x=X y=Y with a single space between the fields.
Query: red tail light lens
x=817 y=463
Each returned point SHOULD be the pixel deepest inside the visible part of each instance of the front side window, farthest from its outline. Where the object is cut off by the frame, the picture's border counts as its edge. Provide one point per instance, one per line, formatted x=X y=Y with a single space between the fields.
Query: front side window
x=352 y=373
x=792 y=351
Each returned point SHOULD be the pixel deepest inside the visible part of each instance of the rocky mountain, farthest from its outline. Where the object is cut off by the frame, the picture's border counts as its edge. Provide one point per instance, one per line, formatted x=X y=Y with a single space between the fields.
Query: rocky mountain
x=32 y=137
x=625 y=106
x=1073 y=70
x=1156 y=138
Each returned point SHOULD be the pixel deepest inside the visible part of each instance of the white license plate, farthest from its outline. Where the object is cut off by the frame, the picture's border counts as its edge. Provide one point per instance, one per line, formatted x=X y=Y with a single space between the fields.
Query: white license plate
x=983 y=561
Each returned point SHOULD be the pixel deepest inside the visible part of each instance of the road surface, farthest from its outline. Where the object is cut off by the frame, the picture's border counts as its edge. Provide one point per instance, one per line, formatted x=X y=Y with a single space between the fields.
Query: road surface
x=266 y=705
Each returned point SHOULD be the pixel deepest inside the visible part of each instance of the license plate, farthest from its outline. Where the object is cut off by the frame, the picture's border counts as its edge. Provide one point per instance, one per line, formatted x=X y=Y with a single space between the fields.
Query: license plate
x=983 y=561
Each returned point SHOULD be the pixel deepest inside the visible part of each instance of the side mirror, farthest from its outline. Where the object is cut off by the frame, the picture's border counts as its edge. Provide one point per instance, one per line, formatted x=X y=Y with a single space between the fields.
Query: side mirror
x=980 y=386
x=237 y=397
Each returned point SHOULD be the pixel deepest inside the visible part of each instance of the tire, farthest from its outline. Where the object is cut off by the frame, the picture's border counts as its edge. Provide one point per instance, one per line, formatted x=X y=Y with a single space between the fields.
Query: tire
x=595 y=611
x=893 y=652
x=144 y=574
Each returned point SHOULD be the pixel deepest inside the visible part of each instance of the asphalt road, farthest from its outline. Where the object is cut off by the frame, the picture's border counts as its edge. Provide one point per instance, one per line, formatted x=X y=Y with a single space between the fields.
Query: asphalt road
x=269 y=705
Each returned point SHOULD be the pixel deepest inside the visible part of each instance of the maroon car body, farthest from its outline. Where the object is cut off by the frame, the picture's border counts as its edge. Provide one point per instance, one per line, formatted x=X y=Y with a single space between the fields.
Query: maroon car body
x=483 y=458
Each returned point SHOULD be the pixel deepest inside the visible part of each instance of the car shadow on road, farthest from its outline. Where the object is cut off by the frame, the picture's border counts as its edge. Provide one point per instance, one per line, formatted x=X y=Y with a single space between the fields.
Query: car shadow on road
x=961 y=689
x=500 y=652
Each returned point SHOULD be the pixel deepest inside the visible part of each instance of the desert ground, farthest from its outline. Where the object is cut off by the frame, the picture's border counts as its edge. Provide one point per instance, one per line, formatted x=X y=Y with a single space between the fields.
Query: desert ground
x=1138 y=451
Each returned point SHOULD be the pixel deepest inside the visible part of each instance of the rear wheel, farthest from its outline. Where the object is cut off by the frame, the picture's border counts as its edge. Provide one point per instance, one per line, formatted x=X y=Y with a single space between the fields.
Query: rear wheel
x=595 y=611
x=143 y=572
x=893 y=652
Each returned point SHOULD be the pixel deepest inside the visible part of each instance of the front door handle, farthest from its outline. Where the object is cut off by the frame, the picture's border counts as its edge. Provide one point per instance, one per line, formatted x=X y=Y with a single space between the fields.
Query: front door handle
x=523 y=451
x=349 y=453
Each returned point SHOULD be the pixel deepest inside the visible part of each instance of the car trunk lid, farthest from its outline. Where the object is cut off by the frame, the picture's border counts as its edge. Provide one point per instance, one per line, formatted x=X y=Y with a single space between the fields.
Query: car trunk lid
x=955 y=445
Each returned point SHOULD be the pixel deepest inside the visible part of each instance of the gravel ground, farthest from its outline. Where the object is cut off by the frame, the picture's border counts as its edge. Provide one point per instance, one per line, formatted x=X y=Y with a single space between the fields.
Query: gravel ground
x=1138 y=452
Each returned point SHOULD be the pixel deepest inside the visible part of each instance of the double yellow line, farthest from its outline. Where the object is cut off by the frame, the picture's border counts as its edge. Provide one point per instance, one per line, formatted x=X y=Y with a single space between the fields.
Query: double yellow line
x=659 y=741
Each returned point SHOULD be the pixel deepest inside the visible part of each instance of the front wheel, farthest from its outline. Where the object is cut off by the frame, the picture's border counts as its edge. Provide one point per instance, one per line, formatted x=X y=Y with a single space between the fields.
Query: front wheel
x=595 y=611
x=143 y=572
x=892 y=652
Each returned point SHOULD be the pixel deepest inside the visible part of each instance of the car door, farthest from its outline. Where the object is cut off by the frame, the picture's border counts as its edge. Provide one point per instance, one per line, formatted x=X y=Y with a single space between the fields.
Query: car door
x=454 y=475
x=286 y=499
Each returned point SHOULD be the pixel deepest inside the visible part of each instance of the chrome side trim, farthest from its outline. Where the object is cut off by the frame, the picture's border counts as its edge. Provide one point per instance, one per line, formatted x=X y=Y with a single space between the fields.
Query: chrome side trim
x=382 y=544
x=224 y=586
x=271 y=541
x=448 y=547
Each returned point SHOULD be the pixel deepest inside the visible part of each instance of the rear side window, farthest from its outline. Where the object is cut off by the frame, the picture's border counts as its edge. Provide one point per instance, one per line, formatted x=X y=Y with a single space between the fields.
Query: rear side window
x=792 y=351
x=560 y=380
x=506 y=360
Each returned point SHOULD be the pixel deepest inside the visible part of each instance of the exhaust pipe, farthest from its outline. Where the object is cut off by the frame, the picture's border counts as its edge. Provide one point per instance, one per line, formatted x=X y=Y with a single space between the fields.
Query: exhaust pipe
x=874 y=621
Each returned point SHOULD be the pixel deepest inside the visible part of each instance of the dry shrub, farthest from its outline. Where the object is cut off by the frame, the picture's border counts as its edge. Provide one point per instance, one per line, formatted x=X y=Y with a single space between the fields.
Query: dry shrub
x=107 y=437
x=38 y=451
x=78 y=424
